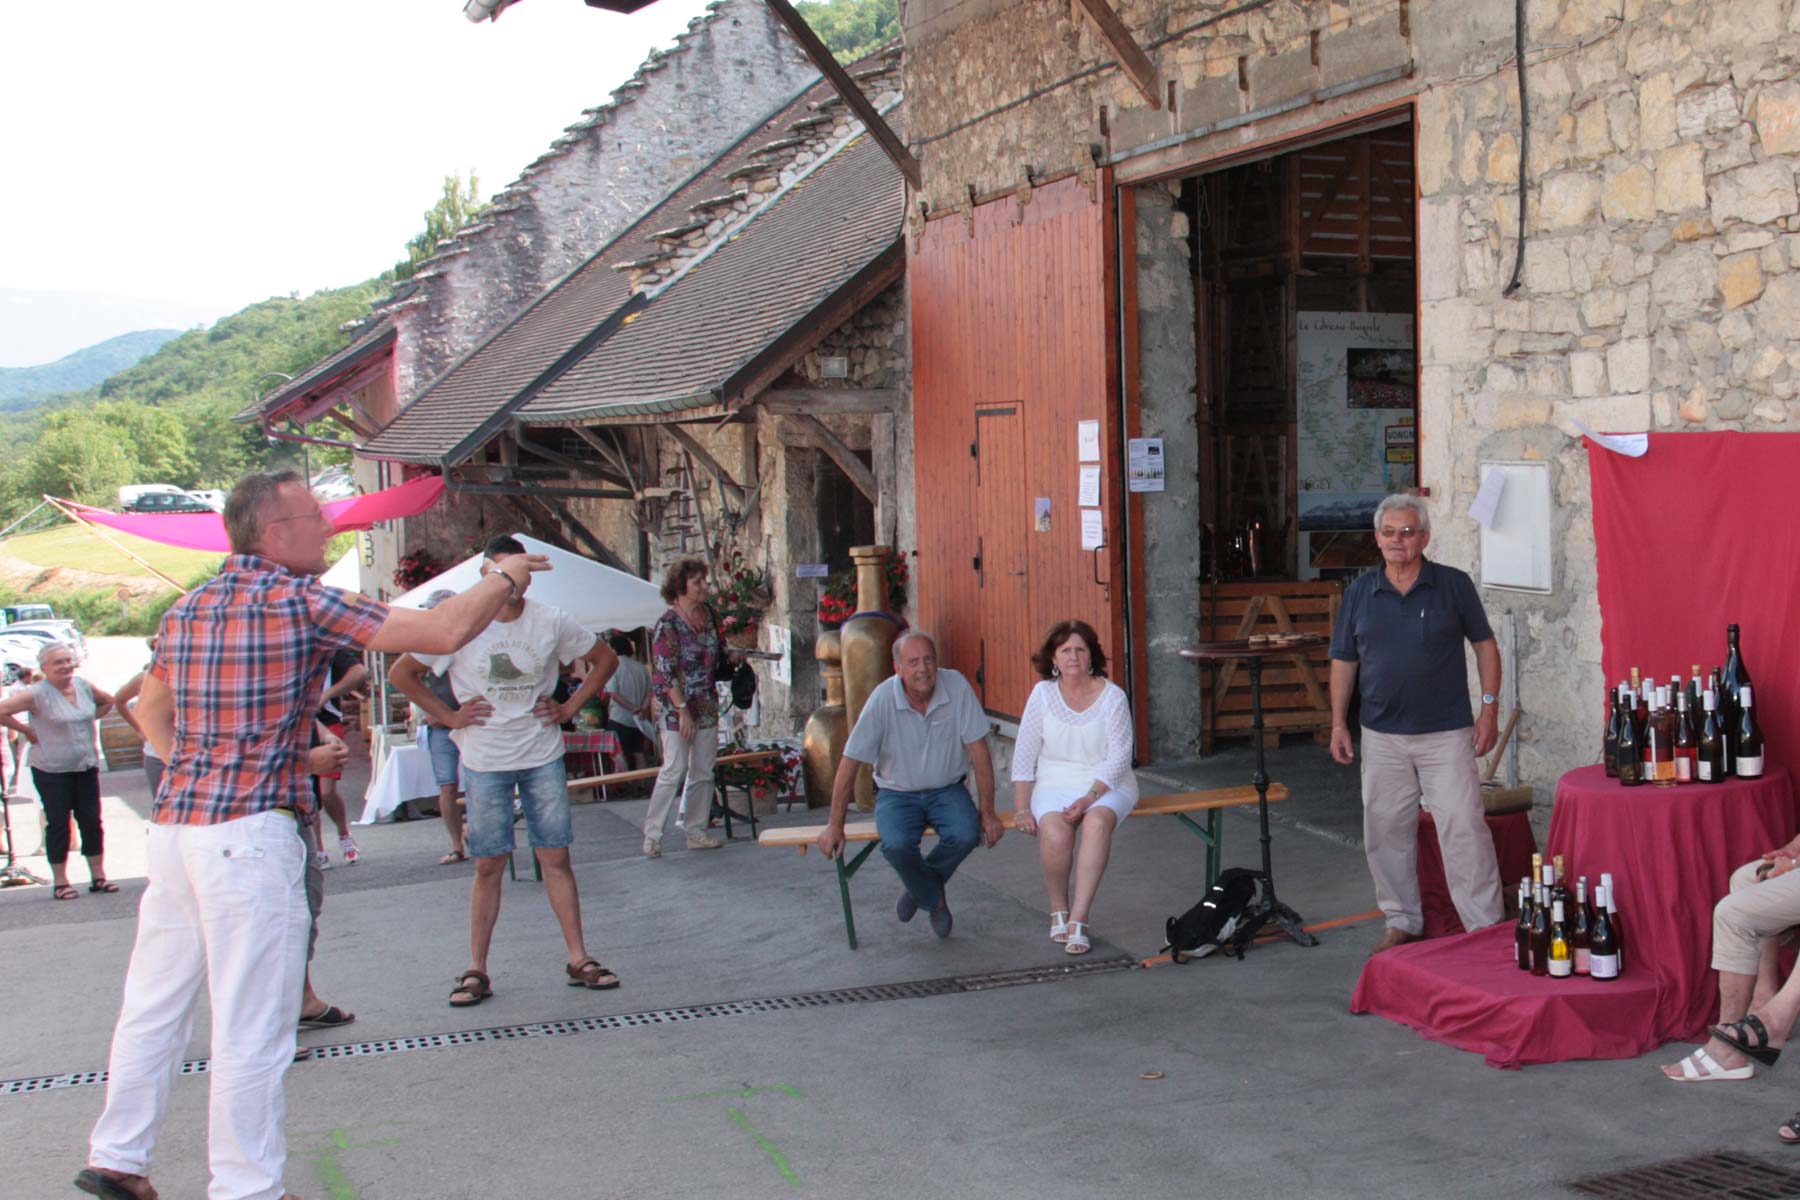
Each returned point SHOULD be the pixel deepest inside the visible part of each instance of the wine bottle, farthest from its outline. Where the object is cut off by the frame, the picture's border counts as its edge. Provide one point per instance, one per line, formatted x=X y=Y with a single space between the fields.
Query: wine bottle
x=1581 y=927
x=1659 y=754
x=1559 y=883
x=1687 y=743
x=1603 y=949
x=1733 y=678
x=1562 y=962
x=1696 y=685
x=1540 y=932
x=1709 y=766
x=1612 y=915
x=1631 y=749
x=1646 y=703
x=1749 y=738
x=1522 y=931
x=1609 y=740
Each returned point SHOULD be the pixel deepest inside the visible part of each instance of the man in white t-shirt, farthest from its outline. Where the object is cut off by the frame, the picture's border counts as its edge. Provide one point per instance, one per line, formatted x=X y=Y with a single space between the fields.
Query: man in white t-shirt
x=508 y=733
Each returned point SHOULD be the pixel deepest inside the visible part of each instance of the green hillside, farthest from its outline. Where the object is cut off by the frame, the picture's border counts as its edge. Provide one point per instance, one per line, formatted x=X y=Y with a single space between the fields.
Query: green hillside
x=168 y=418
x=22 y=387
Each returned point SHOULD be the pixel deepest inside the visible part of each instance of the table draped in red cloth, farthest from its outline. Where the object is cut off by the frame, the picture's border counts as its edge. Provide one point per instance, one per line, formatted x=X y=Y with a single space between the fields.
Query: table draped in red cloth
x=1671 y=852
x=1514 y=845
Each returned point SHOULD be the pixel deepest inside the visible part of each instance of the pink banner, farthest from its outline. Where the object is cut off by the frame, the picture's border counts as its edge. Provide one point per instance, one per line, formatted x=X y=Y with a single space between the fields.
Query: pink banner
x=206 y=531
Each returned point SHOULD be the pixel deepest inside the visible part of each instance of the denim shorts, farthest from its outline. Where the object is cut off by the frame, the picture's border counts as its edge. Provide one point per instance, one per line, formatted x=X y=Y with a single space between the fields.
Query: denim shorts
x=543 y=793
x=445 y=758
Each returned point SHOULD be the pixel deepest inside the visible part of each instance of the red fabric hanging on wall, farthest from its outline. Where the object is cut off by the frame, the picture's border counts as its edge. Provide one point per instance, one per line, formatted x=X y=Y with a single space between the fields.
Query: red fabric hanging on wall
x=1700 y=532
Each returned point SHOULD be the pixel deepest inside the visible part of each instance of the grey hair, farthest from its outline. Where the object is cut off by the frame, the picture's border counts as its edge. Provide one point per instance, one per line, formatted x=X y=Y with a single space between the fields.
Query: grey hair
x=911 y=635
x=438 y=597
x=49 y=648
x=1402 y=500
x=248 y=501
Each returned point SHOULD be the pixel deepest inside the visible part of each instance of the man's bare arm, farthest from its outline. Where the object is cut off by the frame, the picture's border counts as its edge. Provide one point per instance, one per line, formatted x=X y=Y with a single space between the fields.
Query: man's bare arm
x=454 y=623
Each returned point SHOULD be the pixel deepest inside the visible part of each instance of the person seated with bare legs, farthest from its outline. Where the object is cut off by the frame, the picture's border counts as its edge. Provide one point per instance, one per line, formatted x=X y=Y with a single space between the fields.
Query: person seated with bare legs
x=1755 y=1014
x=1071 y=772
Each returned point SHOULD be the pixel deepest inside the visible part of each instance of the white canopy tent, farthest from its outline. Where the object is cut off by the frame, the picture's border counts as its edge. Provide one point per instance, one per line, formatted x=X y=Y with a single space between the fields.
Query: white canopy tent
x=597 y=596
x=344 y=573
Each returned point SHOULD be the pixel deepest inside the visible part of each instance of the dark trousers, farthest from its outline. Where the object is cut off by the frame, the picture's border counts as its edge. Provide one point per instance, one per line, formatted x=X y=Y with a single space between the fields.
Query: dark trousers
x=63 y=793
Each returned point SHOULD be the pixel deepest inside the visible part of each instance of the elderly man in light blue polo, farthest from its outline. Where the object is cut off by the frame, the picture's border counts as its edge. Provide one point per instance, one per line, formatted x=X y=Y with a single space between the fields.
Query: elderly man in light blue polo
x=924 y=732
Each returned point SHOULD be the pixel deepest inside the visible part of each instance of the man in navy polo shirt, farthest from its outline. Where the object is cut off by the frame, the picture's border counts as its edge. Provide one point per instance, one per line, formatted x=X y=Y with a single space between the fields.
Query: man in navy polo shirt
x=1399 y=638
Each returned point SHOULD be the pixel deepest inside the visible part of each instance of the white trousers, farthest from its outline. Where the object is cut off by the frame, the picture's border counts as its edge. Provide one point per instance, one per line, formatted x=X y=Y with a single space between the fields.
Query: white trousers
x=1397 y=771
x=225 y=907
x=688 y=764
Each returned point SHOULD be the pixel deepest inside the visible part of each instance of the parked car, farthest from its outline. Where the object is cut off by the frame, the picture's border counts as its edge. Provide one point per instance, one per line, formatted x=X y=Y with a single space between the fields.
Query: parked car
x=213 y=498
x=11 y=614
x=20 y=651
x=333 y=483
x=64 y=631
x=130 y=492
x=168 y=502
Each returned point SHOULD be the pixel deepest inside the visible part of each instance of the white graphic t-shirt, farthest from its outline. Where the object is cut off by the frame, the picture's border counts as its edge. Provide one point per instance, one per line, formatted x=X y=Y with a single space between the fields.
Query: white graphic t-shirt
x=511 y=664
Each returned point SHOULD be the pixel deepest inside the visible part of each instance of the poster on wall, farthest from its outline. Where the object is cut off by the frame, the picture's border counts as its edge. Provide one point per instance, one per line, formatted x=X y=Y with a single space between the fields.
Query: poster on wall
x=781 y=641
x=1357 y=391
x=1144 y=463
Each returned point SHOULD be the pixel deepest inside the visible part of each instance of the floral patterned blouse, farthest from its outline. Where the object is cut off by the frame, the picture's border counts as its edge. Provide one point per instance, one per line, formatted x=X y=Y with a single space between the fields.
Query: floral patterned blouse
x=685 y=657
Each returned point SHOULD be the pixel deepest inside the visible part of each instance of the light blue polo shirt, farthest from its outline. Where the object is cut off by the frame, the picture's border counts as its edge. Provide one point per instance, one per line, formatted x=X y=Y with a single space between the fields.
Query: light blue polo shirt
x=915 y=751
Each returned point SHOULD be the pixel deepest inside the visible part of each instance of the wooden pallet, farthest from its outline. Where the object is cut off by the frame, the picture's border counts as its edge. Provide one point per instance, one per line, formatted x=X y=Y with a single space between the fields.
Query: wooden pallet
x=1297 y=688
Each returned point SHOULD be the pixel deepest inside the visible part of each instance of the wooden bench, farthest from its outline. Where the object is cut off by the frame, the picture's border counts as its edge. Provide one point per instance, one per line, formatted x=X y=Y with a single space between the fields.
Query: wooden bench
x=721 y=805
x=1180 y=805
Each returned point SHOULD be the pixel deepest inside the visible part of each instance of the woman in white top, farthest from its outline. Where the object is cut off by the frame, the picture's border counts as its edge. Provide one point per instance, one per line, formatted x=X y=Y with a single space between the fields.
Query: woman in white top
x=1071 y=773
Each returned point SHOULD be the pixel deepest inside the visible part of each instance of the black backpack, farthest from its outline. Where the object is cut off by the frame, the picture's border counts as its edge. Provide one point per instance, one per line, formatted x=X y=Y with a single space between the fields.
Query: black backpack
x=1217 y=922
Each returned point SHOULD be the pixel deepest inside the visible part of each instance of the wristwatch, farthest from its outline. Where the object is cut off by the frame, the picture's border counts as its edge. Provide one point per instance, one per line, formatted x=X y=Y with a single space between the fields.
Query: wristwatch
x=1489 y=698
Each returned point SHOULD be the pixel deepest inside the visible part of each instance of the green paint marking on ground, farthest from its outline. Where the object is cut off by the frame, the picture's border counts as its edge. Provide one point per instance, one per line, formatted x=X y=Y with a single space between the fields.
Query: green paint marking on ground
x=331 y=1172
x=769 y=1148
x=786 y=1089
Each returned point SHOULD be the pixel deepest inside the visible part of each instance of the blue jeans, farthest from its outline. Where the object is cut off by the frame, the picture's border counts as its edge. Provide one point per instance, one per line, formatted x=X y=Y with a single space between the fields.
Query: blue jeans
x=544 y=795
x=445 y=758
x=900 y=821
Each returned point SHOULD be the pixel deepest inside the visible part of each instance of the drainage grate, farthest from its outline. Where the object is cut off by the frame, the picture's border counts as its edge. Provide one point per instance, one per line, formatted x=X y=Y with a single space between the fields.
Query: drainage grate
x=1706 y=1177
x=915 y=990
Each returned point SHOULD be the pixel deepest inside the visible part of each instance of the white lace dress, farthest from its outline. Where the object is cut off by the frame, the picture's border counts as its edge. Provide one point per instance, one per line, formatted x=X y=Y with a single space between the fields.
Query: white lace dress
x=1062 y=752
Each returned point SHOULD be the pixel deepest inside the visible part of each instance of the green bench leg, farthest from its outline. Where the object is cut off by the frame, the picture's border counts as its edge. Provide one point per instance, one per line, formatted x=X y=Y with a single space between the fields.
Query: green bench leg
x=844 y=871
x=537 y=868
x=1211 y=835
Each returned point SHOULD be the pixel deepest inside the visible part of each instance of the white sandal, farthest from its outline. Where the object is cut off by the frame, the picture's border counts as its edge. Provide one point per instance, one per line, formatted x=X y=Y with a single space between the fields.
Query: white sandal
x=1701 y=1067
x=1059 y=927
x=1078 y=942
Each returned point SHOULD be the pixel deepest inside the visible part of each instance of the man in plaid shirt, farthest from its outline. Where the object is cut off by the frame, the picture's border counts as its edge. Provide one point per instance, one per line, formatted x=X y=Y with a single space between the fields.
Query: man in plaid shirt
x=229 y=704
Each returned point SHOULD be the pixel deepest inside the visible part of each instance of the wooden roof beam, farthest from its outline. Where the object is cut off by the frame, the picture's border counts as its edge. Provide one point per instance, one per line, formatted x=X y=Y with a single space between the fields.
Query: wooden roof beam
x=846 y=88
x=704 y=457
x=809 y=430
x=1126 y=52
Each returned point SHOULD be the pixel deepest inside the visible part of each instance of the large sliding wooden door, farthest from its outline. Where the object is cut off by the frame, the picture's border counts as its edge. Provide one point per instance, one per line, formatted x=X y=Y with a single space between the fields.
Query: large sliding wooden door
x=1014 y=321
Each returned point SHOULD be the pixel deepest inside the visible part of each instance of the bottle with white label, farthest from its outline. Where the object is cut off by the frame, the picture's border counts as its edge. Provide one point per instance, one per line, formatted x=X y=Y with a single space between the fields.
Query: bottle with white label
x=1562 y=960
x=1749 y=739
x=1710 y=765
x=1603 y=950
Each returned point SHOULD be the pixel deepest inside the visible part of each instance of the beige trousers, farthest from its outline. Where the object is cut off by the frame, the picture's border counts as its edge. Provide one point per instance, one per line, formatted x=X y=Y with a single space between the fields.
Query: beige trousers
x=1752 y=911
x=1397 y=770
x=689 y=766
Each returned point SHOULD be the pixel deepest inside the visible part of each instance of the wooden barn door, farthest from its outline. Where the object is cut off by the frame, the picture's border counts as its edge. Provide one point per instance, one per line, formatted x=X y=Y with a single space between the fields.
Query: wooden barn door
x=1014 y=321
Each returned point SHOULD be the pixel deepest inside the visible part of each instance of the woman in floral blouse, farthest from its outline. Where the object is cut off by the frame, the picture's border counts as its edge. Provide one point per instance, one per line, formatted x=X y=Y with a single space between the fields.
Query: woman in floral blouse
x=686 y=649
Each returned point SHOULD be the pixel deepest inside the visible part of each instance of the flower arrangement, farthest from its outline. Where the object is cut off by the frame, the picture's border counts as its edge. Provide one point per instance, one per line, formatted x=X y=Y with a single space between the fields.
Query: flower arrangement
x=837 y=601
x=415 y=568
x=767 y=777
x=741 y=594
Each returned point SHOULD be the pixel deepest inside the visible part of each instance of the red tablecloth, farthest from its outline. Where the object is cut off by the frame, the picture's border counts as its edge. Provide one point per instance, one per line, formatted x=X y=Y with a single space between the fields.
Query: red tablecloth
x=590 y=744
x=1671 y=852
x=1514 y=844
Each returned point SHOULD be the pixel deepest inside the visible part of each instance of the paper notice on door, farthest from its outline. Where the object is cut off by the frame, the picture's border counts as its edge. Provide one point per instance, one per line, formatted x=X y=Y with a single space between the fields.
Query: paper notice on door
x=1090 y=487
x=1093 y=532
x=1632 y=445
x=1487 y=501
x=1087 y=441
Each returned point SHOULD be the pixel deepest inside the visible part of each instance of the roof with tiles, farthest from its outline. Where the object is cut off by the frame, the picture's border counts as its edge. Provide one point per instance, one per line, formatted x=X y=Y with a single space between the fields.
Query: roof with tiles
x=466 y=405
x=371 y=341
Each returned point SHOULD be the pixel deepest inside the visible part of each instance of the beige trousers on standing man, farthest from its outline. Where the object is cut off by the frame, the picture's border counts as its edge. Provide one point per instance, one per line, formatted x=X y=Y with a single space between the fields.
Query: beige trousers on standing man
x=1397 y=770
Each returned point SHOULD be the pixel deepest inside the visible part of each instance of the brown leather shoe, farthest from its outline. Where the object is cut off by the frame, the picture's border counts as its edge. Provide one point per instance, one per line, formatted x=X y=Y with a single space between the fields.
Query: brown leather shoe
x=1393 y=937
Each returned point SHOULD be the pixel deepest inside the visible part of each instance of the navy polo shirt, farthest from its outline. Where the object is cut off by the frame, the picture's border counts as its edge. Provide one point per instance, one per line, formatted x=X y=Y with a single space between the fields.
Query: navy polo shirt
x=1412 y=671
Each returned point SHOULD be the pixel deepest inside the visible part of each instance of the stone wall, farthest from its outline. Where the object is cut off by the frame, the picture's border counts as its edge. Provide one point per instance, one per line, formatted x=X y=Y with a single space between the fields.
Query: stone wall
x=1661 y=282
x=733 y=67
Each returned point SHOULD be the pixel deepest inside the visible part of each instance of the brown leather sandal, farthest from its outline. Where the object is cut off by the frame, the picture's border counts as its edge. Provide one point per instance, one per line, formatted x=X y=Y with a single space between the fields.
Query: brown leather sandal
x=590 y=974
x=476 y=992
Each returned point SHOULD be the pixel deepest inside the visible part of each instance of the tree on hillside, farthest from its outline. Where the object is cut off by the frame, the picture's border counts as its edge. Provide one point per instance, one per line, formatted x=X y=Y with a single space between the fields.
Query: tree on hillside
x=77 y=458
x=460 y=204
x=852 y=29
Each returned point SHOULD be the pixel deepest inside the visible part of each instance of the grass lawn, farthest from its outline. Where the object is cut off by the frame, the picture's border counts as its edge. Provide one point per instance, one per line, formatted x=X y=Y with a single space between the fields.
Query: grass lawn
x=79 y=547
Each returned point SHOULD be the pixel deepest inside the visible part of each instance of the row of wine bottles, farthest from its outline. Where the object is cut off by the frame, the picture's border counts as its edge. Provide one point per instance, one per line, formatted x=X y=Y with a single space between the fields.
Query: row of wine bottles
x=1697 y=731
x=1563 y=935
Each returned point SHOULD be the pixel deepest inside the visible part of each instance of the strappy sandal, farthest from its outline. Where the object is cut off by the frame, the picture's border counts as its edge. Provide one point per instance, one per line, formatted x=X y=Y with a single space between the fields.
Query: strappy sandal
x=103 y=885
x=331 y=1018
x=452 y=858
x=65 y=892
x=1789 y=1131
x=1701 y=1067
x=476 y=993
x=591 y=974
x=1748 y=1036
x=1078 y=942
x=1059 y=927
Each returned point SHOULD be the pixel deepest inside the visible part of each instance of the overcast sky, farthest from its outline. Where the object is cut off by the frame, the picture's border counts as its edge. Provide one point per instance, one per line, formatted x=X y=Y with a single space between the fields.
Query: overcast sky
x=205 y=154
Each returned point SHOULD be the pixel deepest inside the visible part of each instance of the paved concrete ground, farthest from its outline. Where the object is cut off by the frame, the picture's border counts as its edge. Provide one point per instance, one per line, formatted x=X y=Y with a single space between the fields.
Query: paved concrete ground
x=1270 y=1087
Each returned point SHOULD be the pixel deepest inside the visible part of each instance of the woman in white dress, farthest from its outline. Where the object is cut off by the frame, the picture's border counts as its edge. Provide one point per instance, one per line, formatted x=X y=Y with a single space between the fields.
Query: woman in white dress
x=1071 y=772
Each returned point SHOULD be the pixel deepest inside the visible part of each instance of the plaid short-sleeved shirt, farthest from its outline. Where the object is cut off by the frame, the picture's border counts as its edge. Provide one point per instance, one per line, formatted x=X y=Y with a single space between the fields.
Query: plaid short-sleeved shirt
x=245 y=656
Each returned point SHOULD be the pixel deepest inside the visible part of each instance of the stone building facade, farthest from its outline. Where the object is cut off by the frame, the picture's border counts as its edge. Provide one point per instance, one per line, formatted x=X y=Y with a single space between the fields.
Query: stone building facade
x=1660 y=281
